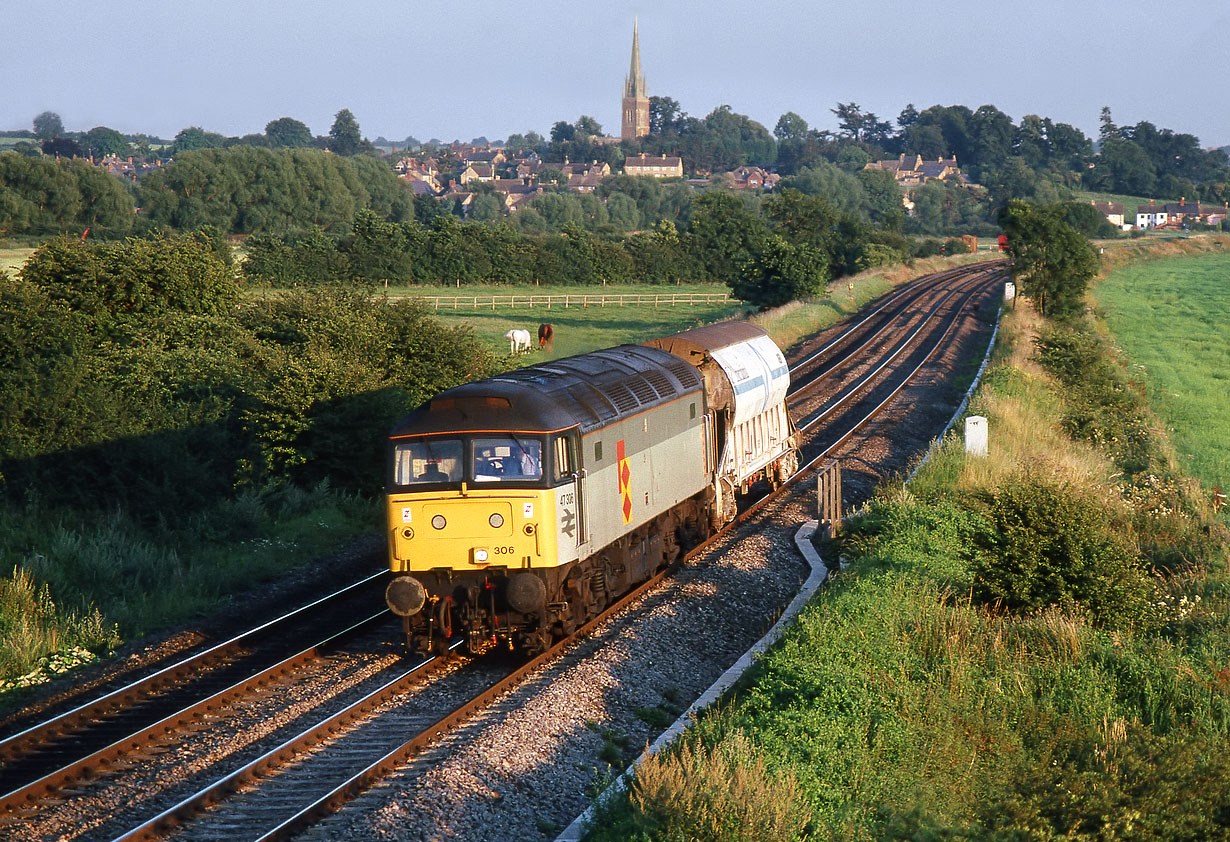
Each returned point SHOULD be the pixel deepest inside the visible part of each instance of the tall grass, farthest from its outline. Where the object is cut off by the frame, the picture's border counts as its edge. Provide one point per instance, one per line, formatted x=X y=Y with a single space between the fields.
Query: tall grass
x=33 y=629
x=103 y=577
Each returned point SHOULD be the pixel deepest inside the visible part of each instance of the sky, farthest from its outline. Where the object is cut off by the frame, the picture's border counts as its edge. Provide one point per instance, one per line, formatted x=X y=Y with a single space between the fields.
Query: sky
x=470 y=68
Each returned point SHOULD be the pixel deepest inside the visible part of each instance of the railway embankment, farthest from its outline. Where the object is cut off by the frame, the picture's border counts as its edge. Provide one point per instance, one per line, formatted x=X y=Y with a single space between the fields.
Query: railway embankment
x=1031 y=643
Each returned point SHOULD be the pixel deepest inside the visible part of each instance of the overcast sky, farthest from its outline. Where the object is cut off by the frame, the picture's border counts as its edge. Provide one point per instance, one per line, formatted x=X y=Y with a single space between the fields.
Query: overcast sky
x=465 y=68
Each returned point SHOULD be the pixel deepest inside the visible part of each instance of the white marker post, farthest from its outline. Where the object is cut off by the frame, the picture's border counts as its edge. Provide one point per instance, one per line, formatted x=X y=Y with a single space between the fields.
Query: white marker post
x=976 y=435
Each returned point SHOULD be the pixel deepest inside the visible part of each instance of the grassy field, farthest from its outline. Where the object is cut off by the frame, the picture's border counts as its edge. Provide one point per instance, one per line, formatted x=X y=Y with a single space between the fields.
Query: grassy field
x=577 y=329
x=12 y=259
x=1172 y=319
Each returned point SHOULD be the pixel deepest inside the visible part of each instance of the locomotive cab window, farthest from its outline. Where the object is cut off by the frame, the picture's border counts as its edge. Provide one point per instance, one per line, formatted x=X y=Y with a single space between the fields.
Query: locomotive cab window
x=429 y=460
x=562 y=449
x=511 y=459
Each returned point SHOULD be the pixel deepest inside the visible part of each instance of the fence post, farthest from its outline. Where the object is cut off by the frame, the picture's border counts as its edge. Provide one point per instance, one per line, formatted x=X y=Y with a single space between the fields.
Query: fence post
x=828 y=497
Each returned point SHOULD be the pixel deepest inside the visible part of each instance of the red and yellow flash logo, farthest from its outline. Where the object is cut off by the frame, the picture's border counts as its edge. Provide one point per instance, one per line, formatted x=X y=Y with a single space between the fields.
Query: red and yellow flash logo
x=625 y=480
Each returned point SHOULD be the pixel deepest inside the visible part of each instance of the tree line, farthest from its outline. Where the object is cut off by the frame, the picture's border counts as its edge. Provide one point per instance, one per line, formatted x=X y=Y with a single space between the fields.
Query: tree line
x=277 y=182
x=130 y=377
x=768 y=250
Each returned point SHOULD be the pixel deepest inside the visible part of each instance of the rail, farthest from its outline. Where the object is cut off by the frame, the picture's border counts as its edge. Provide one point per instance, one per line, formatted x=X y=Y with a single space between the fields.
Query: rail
x=616 y=299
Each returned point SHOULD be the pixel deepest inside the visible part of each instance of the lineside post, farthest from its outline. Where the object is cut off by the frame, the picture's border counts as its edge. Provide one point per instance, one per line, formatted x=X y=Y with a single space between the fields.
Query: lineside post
x=828 y=497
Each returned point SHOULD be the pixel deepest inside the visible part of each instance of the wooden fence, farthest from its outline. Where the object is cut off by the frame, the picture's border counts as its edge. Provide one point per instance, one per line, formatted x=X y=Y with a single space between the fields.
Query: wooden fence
x=828 y=498
x=547 y=302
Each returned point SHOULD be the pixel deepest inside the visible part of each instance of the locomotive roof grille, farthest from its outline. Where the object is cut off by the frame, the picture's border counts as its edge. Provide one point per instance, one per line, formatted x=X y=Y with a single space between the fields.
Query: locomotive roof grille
x=659 y=382
x=588 y=391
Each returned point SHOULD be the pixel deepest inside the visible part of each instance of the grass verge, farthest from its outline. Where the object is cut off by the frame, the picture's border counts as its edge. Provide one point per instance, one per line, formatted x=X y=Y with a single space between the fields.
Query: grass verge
x=799 y=319
x=1034 y=645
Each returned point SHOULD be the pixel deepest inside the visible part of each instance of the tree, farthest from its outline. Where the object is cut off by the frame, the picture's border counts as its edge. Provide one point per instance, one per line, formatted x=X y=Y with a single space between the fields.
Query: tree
x=586 y=125
x=664 y=115
x=48 y=126
x=802 y=219
x=860 y=127
x=907 y=117
x=194 y=137
x=728 y=232
x=790 y=127
x=884 y=201
x=344 y=136
x=62 y=147
x=287 y=132
x=1123 y=167
x=1108 y=129
x=1052 y=264
x=562 y=132
x=779 y=271
x=100 y=141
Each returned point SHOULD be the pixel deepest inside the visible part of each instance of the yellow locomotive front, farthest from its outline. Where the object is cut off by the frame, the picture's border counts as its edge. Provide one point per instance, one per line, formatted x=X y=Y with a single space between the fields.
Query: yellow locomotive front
x=469 y=503
x=474 y=482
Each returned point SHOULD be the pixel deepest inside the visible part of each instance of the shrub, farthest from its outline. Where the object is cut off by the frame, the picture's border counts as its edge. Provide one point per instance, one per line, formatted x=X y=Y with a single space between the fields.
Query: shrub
x=1120 y=781
x=1051 y=545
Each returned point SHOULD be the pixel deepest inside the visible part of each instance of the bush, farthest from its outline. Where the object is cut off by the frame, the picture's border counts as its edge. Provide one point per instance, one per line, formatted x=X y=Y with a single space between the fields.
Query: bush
x=1051 y=545
x=871 y=255
x=1100 y=406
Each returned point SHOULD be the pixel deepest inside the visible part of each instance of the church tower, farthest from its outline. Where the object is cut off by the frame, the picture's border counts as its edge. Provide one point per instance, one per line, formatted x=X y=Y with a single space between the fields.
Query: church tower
x=635 y=111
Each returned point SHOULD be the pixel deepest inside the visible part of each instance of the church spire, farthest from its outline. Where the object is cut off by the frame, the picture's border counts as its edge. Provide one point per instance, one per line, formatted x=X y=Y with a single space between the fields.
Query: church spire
x=634 y=85
x=634 y=121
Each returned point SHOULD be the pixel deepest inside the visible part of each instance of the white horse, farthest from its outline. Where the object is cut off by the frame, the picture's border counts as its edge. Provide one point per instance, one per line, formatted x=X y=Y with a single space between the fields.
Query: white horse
x=518 y=341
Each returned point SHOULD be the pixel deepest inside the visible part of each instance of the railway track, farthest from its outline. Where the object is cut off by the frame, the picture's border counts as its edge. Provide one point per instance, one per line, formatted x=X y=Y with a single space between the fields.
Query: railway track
x=265 y=795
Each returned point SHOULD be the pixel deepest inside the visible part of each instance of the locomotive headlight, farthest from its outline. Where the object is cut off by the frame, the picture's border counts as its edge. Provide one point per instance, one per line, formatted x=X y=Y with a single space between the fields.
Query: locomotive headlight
x=407 y=533
x=438 y=522
x=496 y=520
x=478 y=555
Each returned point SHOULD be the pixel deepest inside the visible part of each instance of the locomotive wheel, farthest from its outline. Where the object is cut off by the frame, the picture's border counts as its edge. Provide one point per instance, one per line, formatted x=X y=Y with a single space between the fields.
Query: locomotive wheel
x=444 y=625
x=536 y=642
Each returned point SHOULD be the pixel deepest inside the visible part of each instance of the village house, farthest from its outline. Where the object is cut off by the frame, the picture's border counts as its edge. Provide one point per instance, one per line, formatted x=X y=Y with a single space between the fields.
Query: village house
x=1113 y=211
x=476 y=172
x=753 y=178
x=654 y=166
x=1151 y=216
x=529 y=166
x=126 y=168
x=1180 y=214
x=915 y=170
x=494 y=158
x=515 y=201
x=585 y=178
x=1184 y=212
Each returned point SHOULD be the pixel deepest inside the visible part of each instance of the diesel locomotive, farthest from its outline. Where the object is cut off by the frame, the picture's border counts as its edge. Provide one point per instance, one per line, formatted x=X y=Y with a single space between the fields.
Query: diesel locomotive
x=522 y=505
